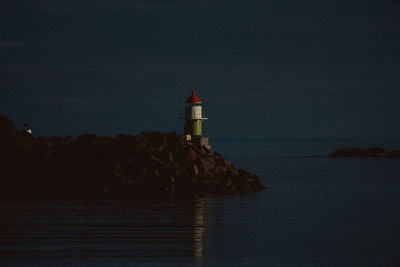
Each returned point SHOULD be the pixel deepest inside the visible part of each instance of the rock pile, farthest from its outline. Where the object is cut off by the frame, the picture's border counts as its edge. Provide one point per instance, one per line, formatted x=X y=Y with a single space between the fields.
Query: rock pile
x=174 y=164
x=126 y=166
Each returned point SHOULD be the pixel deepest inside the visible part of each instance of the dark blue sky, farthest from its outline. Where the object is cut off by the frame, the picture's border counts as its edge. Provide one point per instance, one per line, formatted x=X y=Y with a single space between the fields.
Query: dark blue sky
x=264 y=69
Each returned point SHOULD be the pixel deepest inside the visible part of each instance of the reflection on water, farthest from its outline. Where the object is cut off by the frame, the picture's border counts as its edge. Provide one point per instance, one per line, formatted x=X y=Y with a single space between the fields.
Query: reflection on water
x=198 y=227
x=135 y=230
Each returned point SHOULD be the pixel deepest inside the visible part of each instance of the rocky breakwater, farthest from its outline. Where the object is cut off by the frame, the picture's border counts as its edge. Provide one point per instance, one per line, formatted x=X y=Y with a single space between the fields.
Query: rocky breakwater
x=151 y=164
x=372 y=152
x=176 y=165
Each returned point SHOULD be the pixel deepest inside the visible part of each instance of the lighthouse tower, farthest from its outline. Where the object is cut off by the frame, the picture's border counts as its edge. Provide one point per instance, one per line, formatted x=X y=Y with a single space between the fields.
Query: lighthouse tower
x=193 y=120
x=193 y=116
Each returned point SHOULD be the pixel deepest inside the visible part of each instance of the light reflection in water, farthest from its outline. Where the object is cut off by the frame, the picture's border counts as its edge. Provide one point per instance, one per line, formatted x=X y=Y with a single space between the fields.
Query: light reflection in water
x=89 y=231
x=198 y=228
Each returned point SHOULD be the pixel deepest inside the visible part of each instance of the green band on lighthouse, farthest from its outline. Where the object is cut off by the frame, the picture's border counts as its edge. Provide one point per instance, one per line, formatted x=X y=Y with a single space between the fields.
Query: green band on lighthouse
x=196 y=130
x=193 y=127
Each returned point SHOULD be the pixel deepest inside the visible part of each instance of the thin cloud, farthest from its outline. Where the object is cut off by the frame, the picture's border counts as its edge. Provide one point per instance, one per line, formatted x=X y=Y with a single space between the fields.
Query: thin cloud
x=60 y=100
x=11 y=44
x=71 y=5
x=81 y=103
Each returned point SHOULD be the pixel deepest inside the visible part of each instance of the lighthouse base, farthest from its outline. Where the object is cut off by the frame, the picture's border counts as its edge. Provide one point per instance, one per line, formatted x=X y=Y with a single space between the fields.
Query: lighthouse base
x=201 y=141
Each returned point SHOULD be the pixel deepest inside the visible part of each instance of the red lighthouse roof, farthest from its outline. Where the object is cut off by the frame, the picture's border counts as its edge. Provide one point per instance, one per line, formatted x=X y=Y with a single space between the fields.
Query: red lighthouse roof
x=193 y=99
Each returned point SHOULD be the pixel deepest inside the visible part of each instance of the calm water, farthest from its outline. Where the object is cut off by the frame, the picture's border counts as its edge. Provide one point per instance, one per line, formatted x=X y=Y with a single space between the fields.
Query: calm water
x=317 y=211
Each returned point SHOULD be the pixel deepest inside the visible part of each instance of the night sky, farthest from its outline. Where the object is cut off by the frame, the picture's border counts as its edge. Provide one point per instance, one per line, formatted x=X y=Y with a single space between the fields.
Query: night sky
x=264 y=69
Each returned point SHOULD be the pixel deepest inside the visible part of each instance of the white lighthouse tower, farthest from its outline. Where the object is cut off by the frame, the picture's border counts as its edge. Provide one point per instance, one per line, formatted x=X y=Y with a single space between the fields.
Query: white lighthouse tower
x=193 y=121
x=193 y=116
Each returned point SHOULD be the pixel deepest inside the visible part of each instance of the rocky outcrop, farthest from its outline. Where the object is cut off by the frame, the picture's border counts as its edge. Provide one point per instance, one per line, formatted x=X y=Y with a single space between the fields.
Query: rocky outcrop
x=151 y=164
x=365 y=152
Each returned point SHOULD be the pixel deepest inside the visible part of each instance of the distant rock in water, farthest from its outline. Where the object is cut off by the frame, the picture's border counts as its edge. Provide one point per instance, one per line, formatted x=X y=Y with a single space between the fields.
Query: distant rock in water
x=365 y=152
x=150 y=164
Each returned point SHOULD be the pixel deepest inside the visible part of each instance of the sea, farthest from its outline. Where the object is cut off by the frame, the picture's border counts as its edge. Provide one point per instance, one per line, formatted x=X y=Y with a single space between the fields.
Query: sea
x=316 y=211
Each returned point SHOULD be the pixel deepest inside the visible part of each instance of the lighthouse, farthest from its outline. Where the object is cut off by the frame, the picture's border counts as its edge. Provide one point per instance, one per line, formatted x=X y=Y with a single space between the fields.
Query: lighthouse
x=193 y=121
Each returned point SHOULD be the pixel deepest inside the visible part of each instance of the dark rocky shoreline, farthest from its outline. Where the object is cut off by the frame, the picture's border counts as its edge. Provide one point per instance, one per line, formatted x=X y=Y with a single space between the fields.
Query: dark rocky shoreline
x=151 y=164
x=372 y=152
